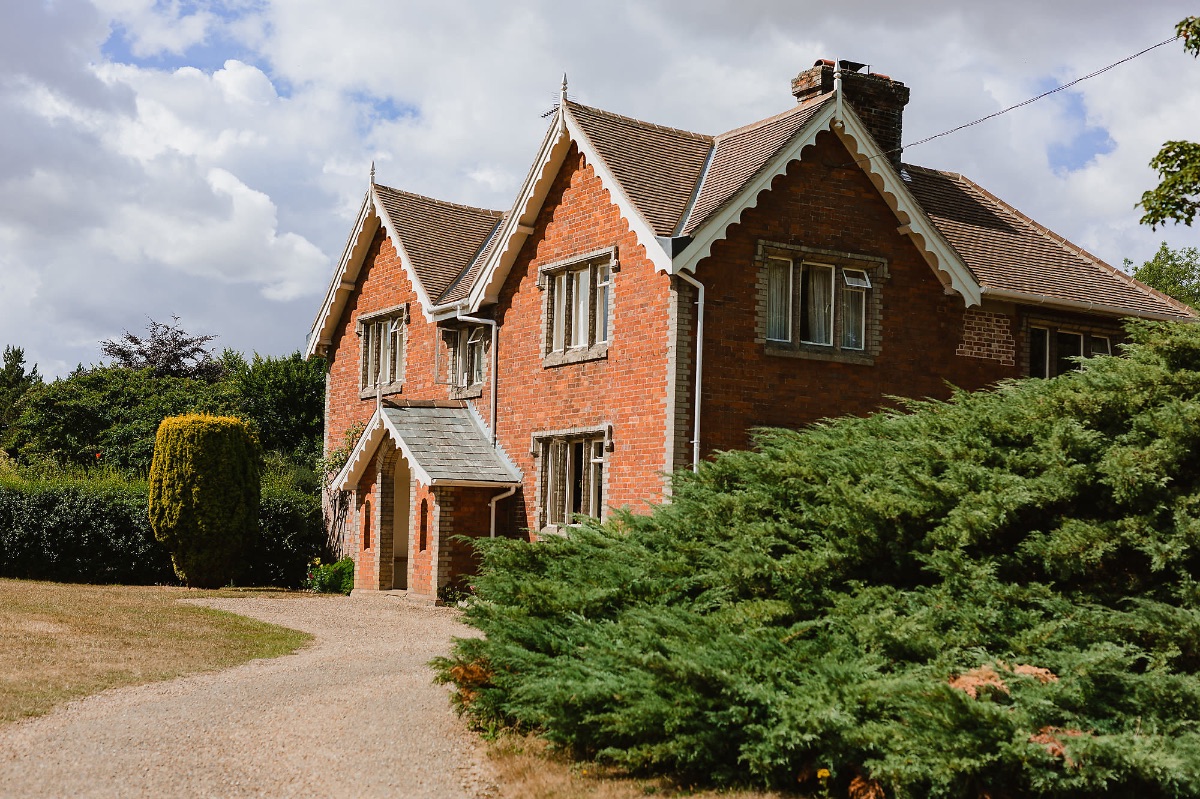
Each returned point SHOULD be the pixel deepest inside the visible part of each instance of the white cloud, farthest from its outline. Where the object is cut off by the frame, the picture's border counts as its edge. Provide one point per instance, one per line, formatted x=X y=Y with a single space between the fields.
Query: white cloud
x=155 y=27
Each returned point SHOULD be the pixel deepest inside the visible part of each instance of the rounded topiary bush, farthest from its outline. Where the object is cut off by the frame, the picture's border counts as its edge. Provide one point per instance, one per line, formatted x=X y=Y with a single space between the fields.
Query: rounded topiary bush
x=204 y=495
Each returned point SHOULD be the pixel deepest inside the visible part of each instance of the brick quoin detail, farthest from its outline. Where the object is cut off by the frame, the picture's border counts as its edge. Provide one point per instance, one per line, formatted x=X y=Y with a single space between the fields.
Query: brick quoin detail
x=988 y=335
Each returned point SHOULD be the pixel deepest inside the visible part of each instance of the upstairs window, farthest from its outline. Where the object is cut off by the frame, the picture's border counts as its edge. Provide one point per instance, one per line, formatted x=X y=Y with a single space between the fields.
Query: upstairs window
x=381 y=350
x=578 y=308
x=814 y=307
x=468 y=368
x=462 y=358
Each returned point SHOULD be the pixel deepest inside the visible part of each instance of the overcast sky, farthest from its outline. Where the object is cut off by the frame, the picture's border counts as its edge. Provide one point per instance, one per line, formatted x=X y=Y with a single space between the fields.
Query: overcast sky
x=206 y=159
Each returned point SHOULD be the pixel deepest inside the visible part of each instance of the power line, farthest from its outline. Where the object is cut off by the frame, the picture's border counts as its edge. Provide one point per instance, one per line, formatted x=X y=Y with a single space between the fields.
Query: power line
x=1043 y=94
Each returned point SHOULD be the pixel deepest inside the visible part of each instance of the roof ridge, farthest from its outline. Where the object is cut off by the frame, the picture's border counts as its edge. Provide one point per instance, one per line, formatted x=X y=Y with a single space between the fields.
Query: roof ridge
x=665 y=128
x=818 y=100
x=1072 y=247
x=435 y=200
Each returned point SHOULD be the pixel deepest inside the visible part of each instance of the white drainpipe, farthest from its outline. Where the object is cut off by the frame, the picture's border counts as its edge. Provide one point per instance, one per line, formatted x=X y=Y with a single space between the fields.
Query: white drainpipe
x=495 y=361
x=502 y=495
x=699 y=364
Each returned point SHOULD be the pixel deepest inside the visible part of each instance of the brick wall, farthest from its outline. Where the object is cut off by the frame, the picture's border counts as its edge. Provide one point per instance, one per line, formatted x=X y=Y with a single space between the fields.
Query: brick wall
x=366 y=529
x=382 y=283
x=465 y=512
x=424 y=542
x=627 y=389
x=987 y=334
x=825 y=203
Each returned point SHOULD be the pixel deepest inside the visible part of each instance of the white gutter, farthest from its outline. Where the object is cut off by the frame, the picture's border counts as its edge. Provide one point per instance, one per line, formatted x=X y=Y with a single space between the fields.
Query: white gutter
x=495 y=358
x=492 y=503
x=699 y=364
x=1077 y=305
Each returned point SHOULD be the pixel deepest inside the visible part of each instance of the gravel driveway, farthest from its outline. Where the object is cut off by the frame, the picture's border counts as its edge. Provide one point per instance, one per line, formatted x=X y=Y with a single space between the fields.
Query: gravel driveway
x=353 y=714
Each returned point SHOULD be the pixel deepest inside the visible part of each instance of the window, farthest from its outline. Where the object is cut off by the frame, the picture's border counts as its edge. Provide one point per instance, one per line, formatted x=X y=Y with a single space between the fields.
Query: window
x=779 y=299
x=572 y=477
x=1053 y=351
x=578 y=303
x=817 y=307
x=381 y=354
x=468 y=357
x=460 y=361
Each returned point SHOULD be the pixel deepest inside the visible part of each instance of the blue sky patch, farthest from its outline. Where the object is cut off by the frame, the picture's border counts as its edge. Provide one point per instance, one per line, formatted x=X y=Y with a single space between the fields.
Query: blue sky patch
x=208 y=56
x=1087 y=142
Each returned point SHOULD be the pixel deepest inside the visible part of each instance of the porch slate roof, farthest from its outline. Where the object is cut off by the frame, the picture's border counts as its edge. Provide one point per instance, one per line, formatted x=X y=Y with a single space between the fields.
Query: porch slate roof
x=447 y=445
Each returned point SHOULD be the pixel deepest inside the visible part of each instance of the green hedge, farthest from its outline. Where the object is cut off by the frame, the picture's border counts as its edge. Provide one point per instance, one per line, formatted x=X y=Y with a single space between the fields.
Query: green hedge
x=96 y=530
x=79 y=530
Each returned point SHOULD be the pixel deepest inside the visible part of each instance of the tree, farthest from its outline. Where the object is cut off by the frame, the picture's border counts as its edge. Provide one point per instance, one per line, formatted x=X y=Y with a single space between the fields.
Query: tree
x=204 y=495
x=106 y=415
x=1173 y=272
x=1177 y=197
x=285 y=400
x=168 y=350
x=15 y=382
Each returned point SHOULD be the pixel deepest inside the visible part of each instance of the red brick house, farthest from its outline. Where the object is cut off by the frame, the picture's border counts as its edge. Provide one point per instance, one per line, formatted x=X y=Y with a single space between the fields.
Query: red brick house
x=654 y=294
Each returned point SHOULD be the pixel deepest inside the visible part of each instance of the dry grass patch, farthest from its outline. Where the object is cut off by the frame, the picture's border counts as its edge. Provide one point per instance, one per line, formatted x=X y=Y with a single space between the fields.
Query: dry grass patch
x=60 y=642
x=528 y=768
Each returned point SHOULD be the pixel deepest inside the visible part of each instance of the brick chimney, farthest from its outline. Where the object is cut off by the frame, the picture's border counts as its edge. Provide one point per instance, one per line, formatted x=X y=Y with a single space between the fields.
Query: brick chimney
x=877 y=99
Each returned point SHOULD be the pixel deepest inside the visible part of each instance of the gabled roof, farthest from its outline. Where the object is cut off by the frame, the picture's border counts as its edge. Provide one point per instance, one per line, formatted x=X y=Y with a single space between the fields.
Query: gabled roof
x=444 y=444
x=1000 y=245
x=658 y=167
x=442 y=239
x=437 y=242
x=741 y=153
x=680 y=193
x=665 y=179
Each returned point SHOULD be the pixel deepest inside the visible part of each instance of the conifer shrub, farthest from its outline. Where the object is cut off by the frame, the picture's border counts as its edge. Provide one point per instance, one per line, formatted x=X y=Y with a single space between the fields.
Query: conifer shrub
x=204 y=495
x=994 y=596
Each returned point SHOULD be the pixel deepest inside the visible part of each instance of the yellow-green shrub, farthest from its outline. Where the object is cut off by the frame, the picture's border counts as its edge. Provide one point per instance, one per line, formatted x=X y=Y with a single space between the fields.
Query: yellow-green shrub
x=204 y=494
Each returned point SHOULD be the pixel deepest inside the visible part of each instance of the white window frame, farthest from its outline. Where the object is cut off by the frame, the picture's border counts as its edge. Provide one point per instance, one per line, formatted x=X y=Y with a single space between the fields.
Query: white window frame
x=809 y=267
x=602 y=300
x=856 y=283
x=1049 y=355
x=844 y=280
x=382 y=345
x=788 y=268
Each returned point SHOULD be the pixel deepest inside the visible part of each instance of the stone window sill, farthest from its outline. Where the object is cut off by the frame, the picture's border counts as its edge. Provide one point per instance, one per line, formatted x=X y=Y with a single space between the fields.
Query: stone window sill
x=387 y=388
x=815 y=352
x=575 y=355
x=474 y=391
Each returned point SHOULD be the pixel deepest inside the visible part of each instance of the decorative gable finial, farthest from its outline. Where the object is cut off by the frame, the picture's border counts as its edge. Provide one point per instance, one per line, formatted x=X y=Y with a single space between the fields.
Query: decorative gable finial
x=837 y=91
x=563 y=97
x=372 y=171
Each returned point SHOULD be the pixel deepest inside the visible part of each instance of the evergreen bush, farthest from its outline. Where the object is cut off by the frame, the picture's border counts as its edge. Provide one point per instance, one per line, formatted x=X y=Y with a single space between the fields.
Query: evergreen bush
x=290 y=533
x=204 y=495
x=996 y=595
